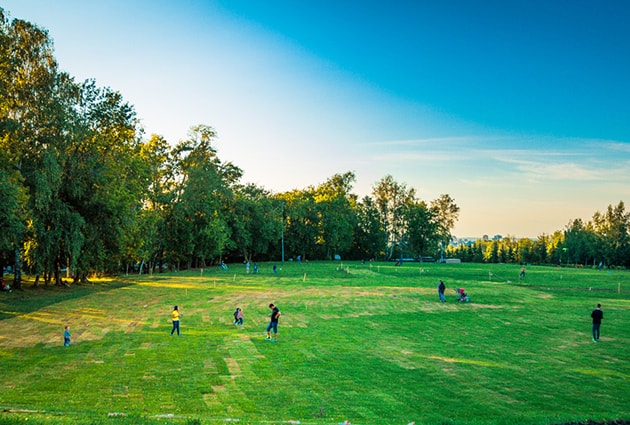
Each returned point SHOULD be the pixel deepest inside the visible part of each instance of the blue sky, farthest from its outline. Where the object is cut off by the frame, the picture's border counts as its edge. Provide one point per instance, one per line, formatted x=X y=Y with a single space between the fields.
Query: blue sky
x=519 y=110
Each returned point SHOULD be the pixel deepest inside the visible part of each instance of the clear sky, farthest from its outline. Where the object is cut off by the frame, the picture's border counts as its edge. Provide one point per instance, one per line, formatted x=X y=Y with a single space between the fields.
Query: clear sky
x=518 y=110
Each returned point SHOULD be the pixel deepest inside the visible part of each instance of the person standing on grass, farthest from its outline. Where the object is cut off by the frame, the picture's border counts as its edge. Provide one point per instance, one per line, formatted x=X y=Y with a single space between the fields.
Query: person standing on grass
x=597 y=316
x=441 y=289
x=175 y=317
x=238 y=316
x=66 y=336
x=273 y=323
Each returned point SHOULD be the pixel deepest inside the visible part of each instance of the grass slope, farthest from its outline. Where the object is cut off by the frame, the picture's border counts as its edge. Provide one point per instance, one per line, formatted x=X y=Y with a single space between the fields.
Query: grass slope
x=367 y=343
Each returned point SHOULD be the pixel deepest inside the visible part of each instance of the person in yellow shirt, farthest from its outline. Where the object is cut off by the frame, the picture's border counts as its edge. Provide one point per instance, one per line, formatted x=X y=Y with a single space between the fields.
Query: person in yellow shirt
x=175 y=316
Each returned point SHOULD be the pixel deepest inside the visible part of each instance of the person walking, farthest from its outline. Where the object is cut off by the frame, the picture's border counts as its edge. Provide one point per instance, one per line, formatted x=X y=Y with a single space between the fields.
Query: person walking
x=441 y=289
x=66 y=336
x=273 y=323
x=597 y=316
x=238 y=317
x=175 y=317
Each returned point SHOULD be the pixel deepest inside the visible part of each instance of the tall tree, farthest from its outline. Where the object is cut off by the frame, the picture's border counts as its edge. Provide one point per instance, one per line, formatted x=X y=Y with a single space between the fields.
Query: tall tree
x=370 y=237
x=254 y=220
x=300 y=223
x=105 y=177
x=580 y=242
x=149 y=234
x=28 y=71
x=336 y=207
x=445 y=213
x=421 y=236
x=198 y=227
x=613 y=228
x=12 y=207
x=391 y=199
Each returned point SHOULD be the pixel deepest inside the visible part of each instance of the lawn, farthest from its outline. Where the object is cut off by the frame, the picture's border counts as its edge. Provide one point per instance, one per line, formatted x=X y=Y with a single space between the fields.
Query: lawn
x=365 y=343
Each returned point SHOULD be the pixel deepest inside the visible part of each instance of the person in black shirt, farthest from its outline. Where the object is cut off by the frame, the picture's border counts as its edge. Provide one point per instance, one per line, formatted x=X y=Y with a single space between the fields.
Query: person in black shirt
x=441 y=289
x=597 y=316
x=273 y=323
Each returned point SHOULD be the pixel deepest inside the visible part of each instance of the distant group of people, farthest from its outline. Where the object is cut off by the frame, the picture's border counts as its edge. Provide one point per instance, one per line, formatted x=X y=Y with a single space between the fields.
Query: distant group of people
x=247 y=267
x=462 y=296
x=238 y=321
x=254 y=267
x=597 y=315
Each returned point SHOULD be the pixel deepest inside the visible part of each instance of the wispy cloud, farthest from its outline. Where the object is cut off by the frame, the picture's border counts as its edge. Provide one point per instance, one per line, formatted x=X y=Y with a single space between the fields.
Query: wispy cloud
x=616 y=146
x=534 y=170
x=561 y=159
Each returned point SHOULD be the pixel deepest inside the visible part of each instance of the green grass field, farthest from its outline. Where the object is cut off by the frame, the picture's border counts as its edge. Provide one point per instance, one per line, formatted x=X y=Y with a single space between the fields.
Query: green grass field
x=366 y=343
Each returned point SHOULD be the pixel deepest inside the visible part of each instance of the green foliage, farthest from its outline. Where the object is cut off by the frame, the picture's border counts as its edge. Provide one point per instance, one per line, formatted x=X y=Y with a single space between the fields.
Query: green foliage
x=368 y=343
x=337 y=216
x=83 y=193
x=390 y=199
x=370 y=237
x=421 y=236
x=605 y=240
x=11 y=206
x=301 y=217
x=256 y=222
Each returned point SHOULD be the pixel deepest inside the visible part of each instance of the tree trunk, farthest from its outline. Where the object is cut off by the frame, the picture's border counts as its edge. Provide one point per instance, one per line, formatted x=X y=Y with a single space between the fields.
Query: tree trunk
x=17 y=270
x=160 y=260
x=58 y=280
x=58 y=272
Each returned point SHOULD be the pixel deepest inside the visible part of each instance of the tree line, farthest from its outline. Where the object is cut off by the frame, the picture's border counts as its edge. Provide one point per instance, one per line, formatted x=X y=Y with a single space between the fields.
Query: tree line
x=602 y=241
x=84 y=192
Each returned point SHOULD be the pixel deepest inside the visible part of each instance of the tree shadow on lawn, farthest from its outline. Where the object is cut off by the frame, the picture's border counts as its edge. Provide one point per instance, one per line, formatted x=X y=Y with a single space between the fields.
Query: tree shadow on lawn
x=31 y=298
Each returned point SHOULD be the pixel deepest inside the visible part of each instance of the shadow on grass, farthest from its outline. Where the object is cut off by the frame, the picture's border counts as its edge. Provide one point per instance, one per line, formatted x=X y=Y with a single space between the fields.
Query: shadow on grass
x=31 y=298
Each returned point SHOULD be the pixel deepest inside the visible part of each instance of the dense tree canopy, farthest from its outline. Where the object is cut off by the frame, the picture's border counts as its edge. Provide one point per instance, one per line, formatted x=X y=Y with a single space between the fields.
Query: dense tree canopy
x=84 y=192
x=604 y=240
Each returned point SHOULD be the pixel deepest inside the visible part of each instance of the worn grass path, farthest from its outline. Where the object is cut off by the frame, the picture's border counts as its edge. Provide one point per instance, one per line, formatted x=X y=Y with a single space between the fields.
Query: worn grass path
x=367 y=343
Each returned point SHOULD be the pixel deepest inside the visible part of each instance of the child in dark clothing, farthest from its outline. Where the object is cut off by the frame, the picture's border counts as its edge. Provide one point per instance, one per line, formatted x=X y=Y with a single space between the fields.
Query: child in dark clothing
x=66 y=336
x=238 y=316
